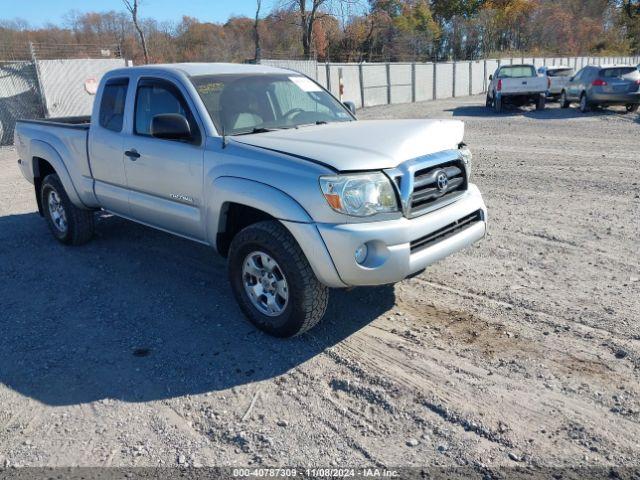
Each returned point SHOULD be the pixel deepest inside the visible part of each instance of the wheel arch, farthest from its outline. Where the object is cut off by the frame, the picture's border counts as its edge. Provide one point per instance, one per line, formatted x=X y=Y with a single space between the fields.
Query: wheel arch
x=46 y=160
x=237 y=202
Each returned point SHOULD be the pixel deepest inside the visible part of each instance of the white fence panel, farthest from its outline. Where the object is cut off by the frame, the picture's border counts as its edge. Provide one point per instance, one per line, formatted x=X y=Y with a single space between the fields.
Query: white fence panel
x=63 y=83
x=477 y=77
x=334 y=79
x=400 y=76
x=528 y=60
x=321 y=74
x=538 y=62
x=444 y=80
x=424 y=81
x=375 y=84
x=351 y=82
x=306 y=67
x=461 y=88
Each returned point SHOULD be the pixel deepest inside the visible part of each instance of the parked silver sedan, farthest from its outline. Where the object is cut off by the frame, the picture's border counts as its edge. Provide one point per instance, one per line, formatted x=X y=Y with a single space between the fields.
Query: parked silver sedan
x=595 y=86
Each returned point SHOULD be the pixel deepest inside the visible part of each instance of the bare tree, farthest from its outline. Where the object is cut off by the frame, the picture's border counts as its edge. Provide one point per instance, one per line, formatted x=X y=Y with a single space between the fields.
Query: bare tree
x=256 y=32
x=308 y=12
x=132 y=6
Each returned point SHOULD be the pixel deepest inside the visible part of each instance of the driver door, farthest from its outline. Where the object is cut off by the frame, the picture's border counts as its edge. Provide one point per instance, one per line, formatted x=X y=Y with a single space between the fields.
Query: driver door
x=164 y=177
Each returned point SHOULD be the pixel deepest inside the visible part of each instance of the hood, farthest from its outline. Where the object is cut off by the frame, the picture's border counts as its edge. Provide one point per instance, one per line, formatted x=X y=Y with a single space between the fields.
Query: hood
x=363 y=144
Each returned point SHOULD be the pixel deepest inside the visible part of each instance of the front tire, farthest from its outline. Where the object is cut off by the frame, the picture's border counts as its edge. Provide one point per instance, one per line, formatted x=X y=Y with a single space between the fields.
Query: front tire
x=69 y=224
x=273 y=282
x=542 y=101
x=564 y=102
x=632 y=107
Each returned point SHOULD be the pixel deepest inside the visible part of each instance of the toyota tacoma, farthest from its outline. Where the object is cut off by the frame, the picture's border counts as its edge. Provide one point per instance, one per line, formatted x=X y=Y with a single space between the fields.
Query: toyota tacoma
x=269 y=169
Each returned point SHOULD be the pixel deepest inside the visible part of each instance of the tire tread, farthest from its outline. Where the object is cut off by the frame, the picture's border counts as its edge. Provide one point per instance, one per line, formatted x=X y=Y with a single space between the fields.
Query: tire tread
x=316 y=295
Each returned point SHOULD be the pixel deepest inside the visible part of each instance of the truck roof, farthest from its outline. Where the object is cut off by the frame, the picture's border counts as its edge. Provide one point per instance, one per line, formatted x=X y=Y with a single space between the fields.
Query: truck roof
x=196 y=69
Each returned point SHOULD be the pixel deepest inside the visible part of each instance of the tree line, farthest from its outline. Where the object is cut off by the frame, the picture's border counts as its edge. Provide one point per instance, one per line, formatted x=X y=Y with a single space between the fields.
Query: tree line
x=352 y=30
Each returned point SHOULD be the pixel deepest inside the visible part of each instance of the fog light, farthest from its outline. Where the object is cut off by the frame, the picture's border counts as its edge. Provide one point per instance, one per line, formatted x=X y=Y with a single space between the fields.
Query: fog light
x=361 y=253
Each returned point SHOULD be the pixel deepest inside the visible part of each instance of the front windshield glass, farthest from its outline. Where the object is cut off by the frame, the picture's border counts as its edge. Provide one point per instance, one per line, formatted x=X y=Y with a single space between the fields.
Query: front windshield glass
x=517 y=71
x=242 y=103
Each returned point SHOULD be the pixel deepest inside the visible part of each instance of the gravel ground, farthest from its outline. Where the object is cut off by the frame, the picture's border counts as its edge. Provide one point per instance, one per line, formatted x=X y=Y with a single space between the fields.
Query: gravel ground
x=524 y=350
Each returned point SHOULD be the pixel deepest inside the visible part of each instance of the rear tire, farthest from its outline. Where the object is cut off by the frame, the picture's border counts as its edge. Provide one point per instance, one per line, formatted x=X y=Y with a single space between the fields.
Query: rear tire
x=282 y=296
x=68 y=224
x=584 y=103
x=540 y=104
x=632 y=107
x=564 y=102
x=497 y=104
x=488 y=102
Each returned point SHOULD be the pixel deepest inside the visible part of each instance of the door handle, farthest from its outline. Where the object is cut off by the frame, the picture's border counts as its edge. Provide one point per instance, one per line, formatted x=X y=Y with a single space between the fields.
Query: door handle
x=132 y=154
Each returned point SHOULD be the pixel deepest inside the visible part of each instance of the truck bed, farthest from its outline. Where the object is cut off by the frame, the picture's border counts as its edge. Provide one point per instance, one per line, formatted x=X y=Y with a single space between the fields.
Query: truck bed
x=63 y=143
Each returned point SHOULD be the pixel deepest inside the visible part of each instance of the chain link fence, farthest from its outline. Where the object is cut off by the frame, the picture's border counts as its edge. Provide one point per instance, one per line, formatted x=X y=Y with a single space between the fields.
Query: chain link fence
x=371 y=84
x=40 y=81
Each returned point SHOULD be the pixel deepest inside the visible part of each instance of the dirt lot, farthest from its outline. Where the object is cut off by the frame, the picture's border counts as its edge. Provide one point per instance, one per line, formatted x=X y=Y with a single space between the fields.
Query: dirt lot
x=524 y=350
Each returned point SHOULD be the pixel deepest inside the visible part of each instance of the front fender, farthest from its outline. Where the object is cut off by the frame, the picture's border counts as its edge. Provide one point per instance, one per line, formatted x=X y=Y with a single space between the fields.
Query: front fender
x=254 y=194
x=279 y=205
x=40 y=149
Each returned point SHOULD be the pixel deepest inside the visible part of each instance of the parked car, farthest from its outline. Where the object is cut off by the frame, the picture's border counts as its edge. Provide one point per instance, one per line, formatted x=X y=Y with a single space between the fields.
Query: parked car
x=516 y=85
x=601 y=86
x=268 y=168
x=558 y=76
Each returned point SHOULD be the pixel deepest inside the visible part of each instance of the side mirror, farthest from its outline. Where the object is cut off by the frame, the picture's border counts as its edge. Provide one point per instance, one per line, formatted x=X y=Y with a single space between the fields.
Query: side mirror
x=170 y=126
x=351 y=106
x=490 y=77
x=571 y=79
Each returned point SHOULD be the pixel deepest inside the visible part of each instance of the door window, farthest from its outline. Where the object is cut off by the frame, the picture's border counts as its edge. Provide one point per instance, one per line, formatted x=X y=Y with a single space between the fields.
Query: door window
x=112 y=104
x=155 y=97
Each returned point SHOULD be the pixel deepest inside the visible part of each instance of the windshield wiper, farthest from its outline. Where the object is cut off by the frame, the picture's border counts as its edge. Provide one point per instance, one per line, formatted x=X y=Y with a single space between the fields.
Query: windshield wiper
x=317 y=122
x=262 y=130
x=256 y=130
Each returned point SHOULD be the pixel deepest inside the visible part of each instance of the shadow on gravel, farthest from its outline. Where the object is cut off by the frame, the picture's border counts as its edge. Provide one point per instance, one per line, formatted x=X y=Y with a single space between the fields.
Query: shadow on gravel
x=139 y=315
x=549 y=113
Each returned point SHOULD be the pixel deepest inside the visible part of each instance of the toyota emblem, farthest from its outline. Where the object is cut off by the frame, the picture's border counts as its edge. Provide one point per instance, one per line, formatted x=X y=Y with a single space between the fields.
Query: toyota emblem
x=443 y=181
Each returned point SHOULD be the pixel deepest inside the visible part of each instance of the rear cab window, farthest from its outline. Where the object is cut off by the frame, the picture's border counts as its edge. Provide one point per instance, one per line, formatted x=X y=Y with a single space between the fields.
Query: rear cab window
x=112 y=104
x=517 y=71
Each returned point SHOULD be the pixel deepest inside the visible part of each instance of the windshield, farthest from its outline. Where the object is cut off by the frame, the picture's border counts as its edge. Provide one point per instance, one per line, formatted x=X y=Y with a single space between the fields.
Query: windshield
x=241 y=103
x=517 y=71
x=560 y=72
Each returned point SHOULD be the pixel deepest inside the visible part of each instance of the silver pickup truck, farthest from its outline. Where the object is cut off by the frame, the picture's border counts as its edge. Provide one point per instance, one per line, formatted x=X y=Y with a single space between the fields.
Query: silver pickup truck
x=268 y=168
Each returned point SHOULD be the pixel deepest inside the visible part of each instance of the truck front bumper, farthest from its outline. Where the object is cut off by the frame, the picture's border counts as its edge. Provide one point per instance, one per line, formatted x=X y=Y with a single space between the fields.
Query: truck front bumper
x=402 y=247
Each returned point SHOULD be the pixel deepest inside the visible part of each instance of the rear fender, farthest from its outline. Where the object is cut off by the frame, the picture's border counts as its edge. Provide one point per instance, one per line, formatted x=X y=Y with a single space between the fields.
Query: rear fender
x=43 y=150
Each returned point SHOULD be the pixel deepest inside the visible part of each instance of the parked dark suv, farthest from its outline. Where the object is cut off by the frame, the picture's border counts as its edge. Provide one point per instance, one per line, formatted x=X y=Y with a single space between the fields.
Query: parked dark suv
x=595 y=86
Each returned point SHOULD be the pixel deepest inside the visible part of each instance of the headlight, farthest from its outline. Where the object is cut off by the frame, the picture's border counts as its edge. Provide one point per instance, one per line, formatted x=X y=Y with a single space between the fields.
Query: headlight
x=359 y=195
x=466 y=158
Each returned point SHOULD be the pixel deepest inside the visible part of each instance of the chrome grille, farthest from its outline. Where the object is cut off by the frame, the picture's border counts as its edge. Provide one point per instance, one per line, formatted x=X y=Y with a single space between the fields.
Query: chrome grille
x=418 y=185
x=427 y=190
